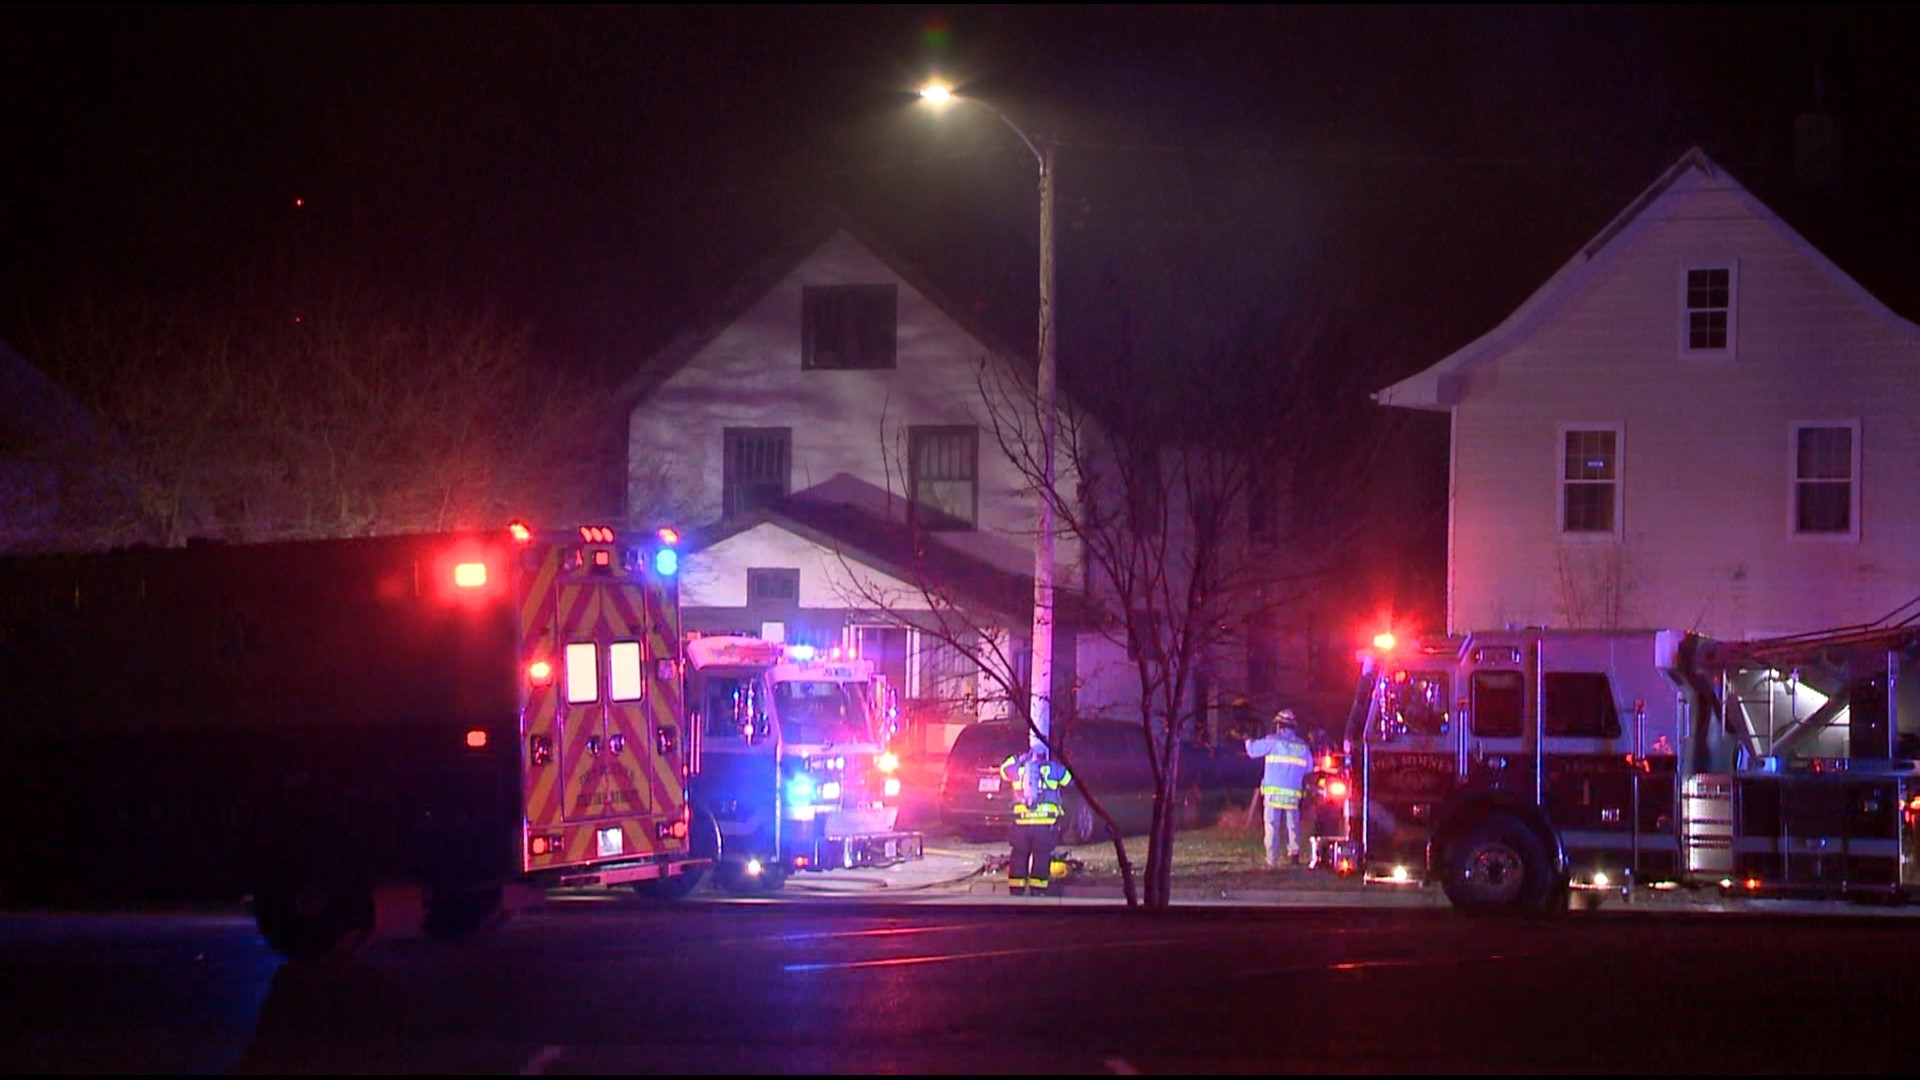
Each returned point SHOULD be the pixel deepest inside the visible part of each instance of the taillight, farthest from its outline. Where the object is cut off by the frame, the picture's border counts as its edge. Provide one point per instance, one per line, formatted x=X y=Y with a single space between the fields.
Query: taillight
x=1336 y=788
x=540 y=673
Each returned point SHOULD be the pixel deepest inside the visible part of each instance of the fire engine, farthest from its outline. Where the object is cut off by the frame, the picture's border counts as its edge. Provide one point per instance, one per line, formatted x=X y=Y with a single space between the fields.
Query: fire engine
x=344 y=730
x=1522 y=768
x=790 y=768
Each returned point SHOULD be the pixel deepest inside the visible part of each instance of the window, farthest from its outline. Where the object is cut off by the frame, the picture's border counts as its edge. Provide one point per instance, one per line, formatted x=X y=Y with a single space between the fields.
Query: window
x=945 y=463
x=583 y=672
x=1417 y=703
x=1826 y=458
x=1590 y=481
x=1709 y=310
x=1145 y=504
x=773 y=585
x=623 y=667
x=1580 y=705
x=1263 y=503
x=757 y=464
x=1499 y=704
x=848 y=327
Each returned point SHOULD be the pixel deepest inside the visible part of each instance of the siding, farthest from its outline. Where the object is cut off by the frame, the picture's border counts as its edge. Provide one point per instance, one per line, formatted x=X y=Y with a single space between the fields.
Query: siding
x=1705 y=465
x=845 y=423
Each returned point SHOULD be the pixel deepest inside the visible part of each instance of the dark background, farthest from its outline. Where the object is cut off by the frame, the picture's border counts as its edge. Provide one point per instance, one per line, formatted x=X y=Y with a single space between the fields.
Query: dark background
x=1404 y=175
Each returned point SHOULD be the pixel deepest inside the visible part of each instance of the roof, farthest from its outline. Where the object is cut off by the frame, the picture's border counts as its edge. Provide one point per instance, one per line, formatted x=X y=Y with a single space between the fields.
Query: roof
x=1439 y=386
x=751 y=288
x=36 y=412
x=889 y=546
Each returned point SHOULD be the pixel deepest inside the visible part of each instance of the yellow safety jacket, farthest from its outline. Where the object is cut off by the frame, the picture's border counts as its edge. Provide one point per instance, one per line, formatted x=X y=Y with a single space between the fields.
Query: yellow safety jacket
x=1037 y=798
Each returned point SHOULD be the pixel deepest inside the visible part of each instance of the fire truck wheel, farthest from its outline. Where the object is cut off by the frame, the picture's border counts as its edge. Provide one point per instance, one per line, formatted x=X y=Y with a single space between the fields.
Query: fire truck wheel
x=704 y=843
x=731 y=875
x=314 y=920
x=1498 y=866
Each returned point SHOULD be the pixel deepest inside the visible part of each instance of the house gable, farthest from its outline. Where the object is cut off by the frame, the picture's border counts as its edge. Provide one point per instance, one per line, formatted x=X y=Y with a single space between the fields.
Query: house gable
x=747 y=394
x=1607 y=471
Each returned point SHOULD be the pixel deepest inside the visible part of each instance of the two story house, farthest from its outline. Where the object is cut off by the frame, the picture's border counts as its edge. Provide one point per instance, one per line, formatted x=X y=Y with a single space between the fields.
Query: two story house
x=1698 y=422
x=830 y=441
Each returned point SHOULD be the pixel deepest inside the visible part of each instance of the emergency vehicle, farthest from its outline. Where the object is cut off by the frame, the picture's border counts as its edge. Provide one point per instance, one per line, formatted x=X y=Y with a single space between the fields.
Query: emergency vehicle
x=790 y=769
x=344 y=730
x=1519 y=768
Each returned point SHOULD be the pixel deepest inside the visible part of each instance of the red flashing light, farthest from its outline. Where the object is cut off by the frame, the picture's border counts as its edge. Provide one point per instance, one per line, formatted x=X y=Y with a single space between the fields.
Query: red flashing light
x=800 y=861
x=538 y=845
x=1326 y=763
x=1753 y=884
x=1336 y=789
x=680 y=829
x=470 y=575
x=519 y=531
x=476 y=738
x=1385 y=641
x=540 y=673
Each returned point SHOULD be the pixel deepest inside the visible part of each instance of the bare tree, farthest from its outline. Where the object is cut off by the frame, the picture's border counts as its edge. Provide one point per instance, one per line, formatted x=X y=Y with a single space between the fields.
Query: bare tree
x=364 y=414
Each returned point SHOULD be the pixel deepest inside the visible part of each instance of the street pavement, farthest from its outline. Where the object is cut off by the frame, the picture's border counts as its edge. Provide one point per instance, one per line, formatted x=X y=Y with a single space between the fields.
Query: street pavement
x=954 y=872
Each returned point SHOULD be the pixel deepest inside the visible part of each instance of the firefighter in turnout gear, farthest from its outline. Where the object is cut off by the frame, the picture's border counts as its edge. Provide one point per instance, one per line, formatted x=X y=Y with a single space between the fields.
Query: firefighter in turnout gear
x=1288 y=759
x=1037 y=811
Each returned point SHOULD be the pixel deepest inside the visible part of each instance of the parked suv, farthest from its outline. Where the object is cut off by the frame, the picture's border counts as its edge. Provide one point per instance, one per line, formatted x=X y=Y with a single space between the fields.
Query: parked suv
x=1109 y=756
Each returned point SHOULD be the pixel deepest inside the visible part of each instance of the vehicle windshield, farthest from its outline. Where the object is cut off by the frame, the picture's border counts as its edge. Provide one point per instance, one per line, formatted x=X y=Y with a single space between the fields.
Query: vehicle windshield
x=822 y=713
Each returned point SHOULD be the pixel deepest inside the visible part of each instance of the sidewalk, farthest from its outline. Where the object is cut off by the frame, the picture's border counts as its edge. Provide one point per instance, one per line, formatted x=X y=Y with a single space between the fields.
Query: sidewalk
x=957 y=871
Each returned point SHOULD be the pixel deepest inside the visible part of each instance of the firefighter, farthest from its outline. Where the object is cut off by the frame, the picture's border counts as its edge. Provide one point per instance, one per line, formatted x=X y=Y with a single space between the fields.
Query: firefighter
x=1287 y=760
x=1037 y=781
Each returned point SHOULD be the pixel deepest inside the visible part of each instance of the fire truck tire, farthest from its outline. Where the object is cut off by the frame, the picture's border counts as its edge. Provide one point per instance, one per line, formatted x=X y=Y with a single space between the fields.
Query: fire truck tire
x=1498 y=866
x=731 y=875
x=314 y=920
x=703 y=844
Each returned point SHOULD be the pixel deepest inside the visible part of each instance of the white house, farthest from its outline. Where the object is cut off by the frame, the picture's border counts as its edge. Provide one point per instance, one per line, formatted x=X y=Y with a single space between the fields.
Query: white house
x=1698 y=422
x=826 y=442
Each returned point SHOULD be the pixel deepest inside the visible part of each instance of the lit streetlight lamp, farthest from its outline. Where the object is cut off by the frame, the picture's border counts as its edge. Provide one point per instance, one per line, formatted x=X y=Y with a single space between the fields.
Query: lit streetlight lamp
x=1041 y=708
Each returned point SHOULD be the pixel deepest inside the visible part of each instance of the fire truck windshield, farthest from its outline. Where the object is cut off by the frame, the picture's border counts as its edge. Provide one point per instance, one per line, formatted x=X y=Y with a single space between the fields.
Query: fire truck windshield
x=1417 y=703
x=822 y=713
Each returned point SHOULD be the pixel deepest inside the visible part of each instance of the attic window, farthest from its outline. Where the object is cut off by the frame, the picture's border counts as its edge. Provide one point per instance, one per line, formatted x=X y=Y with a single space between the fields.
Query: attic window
x=848 y=327
x=1709 y=326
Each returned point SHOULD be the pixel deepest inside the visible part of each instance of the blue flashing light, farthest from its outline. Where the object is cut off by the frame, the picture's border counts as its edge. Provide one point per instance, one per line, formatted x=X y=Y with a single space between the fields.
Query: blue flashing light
x=666 y=562
x=800 y=653
x=799 y=790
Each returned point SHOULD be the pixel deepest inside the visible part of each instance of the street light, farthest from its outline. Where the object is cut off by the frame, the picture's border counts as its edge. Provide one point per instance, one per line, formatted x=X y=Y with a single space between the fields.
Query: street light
x=1040 y=708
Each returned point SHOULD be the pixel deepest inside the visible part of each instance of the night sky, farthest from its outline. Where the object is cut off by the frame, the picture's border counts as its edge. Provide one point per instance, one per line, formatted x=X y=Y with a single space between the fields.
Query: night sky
x=606 y=173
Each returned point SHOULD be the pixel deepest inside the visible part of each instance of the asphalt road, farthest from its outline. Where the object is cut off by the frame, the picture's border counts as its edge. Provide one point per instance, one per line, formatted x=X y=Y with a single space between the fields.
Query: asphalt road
x=987 y=985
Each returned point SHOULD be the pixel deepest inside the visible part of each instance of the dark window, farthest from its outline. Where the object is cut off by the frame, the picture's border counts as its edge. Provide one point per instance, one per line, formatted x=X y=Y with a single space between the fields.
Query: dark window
x=1263 y=504
x=1709 y=304
x=1263 y=655
x=758 y=463
x=1591 y=481
x=847 y=327
x=945 y=467
x=1823 y=480
x=1580 y=705
x=1145 y=501
x=1499 y=704
x=776 y=585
